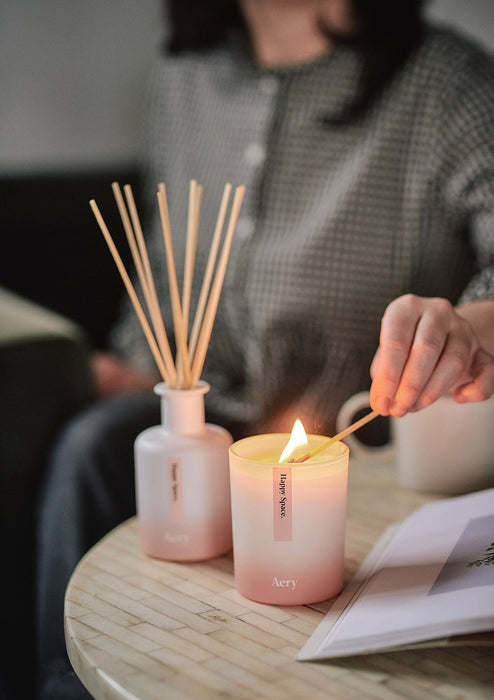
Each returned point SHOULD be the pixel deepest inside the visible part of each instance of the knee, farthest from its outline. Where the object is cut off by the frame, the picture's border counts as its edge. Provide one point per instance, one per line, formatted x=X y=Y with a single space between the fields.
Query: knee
x=81 y=439
x=101 y=439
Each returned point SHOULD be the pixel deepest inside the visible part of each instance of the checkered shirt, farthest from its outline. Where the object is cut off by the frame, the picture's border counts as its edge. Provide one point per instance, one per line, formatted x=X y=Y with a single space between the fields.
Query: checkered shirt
x=336 y=222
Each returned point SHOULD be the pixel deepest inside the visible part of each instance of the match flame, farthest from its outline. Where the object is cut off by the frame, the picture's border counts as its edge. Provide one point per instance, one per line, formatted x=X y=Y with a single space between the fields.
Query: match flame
x=298 y=440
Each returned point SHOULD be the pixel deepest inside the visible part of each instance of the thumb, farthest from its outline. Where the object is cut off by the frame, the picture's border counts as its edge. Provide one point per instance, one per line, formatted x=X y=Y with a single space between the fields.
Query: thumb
x=481 y=386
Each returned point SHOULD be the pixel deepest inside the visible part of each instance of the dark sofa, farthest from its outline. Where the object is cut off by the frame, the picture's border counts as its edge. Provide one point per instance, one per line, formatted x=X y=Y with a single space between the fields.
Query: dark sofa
x=59 y=295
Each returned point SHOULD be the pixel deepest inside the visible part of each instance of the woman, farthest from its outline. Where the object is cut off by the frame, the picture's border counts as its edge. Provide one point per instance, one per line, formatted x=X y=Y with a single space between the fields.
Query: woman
x=389 y=115
x=365 y=139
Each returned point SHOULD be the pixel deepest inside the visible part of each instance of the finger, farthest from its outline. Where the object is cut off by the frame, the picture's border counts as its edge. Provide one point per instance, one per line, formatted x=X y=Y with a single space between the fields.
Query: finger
x=429 y=343
x=397 y=332
x=374 y=364
x=452 y=368
x=482 y=385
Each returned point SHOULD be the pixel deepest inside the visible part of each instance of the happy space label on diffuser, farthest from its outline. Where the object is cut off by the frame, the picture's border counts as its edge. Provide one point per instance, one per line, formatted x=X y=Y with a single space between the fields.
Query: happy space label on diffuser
x=175 y=489
x=282 y=504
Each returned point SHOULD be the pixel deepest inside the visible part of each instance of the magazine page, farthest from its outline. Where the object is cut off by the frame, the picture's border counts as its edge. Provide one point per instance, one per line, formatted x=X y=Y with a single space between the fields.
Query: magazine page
x=434 y=578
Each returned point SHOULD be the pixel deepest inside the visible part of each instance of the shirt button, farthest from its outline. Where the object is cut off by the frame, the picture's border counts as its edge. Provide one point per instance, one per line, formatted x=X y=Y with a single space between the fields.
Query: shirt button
x=268 y=85
x=245 y=227
x=254 y=154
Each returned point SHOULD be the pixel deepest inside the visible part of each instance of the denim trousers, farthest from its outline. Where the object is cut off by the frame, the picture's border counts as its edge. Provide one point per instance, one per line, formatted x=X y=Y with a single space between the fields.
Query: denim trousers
x=88 y=490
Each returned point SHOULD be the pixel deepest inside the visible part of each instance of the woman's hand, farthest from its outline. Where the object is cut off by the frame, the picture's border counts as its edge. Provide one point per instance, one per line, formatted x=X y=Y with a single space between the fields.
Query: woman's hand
x=112 y=376
x=426 y=349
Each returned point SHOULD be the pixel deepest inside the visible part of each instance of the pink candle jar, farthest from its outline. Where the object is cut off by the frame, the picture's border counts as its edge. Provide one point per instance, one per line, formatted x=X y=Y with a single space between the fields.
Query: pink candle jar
x=288 y=521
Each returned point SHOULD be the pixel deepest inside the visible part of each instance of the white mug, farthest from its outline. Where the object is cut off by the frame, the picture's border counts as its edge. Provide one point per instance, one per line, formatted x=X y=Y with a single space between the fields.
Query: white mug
x=445 y=448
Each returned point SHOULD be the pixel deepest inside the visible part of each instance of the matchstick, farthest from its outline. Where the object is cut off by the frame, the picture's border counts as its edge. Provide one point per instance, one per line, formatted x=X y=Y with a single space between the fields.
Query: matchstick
x=343 y=434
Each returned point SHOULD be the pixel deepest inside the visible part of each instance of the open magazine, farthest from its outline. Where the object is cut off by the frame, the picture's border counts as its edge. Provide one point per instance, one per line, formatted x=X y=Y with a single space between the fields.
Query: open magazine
x=429 y=578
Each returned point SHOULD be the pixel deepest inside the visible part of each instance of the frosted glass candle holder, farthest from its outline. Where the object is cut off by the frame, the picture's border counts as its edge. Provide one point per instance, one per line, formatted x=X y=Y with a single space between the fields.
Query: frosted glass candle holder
x=288 y=521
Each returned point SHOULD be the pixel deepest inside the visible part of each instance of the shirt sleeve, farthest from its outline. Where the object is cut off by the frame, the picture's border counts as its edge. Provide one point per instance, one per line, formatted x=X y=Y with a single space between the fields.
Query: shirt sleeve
x=466 y=144
x=480 y=287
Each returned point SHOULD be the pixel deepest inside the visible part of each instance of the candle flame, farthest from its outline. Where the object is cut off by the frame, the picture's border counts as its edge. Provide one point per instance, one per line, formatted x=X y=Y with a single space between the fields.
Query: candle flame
x=298 y=439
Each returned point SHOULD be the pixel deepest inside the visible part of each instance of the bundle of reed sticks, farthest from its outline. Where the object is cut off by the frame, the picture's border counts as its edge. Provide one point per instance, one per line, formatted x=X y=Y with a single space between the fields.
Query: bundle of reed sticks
x=183 y=371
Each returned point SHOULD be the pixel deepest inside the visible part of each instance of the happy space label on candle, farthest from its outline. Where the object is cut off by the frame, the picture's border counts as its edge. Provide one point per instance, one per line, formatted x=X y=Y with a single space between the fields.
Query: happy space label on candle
x=175 y=489
x=282 y=504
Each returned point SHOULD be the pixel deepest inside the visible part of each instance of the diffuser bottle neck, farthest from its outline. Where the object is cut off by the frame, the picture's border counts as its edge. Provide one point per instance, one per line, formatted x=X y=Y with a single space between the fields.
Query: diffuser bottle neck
x=182 y=410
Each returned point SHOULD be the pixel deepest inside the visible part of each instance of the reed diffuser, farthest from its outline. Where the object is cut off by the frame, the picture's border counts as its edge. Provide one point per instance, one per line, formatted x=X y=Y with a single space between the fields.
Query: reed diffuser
x=181 y=466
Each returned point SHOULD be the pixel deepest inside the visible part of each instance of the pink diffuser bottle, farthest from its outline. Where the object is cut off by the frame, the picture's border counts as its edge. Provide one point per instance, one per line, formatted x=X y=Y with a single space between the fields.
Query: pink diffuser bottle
x=182 y=480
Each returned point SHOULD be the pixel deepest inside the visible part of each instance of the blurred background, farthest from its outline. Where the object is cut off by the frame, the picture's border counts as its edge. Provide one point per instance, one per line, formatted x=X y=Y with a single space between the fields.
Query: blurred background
x=73 y=77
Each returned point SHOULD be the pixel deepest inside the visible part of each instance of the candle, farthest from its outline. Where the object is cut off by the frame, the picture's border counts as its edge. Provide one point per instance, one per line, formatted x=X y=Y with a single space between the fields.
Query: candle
x=288 y=521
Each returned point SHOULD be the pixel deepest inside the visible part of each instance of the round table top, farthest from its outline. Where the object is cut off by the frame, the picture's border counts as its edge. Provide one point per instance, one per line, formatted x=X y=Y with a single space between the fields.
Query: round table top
x=143 y=628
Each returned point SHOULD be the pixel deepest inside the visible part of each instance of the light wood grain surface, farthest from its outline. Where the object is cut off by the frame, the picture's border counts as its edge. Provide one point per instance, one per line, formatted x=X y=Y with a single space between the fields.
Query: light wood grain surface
x=142 y=628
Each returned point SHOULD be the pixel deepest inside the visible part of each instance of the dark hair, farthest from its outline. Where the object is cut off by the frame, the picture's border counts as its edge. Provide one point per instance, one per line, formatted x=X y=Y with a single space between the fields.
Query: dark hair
x=200 y=25
x=387 y=33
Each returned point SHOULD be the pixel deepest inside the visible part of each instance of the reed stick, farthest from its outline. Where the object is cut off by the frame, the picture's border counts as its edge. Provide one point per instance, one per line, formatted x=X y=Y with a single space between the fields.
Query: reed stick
x=138 y=250
x=208 y=274
x=209 y=316
x=190 y=251
x=183 y=373
x=131 y=292
x=343 y=434
x=194 y=209
x=178 y=319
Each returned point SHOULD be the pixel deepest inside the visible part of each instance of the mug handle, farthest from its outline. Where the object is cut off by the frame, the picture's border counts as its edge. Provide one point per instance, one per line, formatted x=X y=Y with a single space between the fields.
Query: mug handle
x=344 y=418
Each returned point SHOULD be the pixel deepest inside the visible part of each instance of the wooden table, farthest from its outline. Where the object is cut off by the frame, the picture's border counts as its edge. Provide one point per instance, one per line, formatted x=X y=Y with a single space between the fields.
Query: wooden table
x=154 y=630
